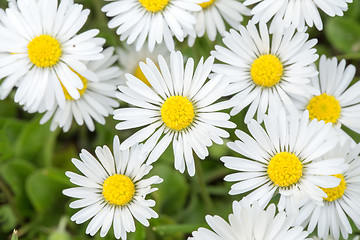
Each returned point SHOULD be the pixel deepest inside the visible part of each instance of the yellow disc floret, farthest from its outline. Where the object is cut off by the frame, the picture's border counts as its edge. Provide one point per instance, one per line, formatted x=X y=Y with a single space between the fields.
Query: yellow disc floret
x=81 y=91
x=118 y=189
x=324 y=107
x=154 y=5
x=177 y=112
x=140 y=75
x=44 y=51
x=207 y=4
x=336 y=192
x=266 y=71
x=284 y=169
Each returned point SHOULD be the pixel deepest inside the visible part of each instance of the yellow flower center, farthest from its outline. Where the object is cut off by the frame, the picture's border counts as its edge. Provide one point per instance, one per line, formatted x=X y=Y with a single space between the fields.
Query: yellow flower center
x=266 y=70
x=324 y=107
x=284 y=169
x=154 y=5
x=44 y=51
x=177 y=112
x=118 y=189
x=207 y=4
x=140 y=75
x=336 y=192
x=81 y=91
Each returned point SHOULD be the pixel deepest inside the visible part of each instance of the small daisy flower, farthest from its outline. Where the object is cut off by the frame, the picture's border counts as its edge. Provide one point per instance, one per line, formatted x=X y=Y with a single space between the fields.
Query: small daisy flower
x=248 y=222
x=112 y=190
x=265 y=70
x=335 y=100
x=179 y=108
x=40 y=51
x=154 y=20
x=280 y=158
x=298 y=13
x=214 y=12
x=341 y=203
x=96 y=98
x=129 y=60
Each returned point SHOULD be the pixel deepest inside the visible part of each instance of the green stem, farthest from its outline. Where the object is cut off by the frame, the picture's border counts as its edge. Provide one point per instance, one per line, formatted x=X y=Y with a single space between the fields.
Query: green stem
x=203 y=190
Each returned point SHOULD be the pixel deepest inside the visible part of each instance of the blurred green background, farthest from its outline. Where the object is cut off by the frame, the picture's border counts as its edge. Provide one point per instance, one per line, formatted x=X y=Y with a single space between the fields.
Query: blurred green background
x=33 y=160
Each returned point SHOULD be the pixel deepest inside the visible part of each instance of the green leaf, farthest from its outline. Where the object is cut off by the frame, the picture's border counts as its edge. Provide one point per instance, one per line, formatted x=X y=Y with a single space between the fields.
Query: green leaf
x=44 y=189
x=7 y=218
x=15 y=174
x=172 y=192
x=344 y=34
x=14 y=236
x=36 y=142
x=58 y=235
x=9 y=132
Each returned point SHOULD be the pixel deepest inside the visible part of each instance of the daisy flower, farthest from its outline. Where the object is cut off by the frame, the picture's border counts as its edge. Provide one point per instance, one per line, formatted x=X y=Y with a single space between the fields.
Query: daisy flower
x=96 y=98
x=298 y=13
x=248 y=222
x=112 y=190
x=265 y=70
x=280 y=158
x=214 y=12
x=341 y=203
x=129 y=60
x=180 y=109
x=335 y=100
x=41 y=51
x=155 y=20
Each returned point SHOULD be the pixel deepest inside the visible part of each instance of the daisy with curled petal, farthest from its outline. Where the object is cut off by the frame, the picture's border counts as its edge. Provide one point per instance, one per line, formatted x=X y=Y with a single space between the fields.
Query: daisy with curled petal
x=298 y=13
x=179 y=108
x=112 y=190
x=213 y=16
x=335 y=100
x=129 y=60
x=280 y=158
x=96 y=98
x=250 y=221
x=265 y=70
x=154 y=20
x=341 y=203
x=40 y=51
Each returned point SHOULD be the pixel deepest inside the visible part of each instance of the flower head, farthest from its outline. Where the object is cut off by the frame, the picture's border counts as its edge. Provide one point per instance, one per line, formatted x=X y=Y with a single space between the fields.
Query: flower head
x=41 y=51
x=112 y=190
x=299 y=13
x=342 y=202
x=282 y=157
x=154 y=20
x=250 y=221
x=265 y=70
x=178 y=108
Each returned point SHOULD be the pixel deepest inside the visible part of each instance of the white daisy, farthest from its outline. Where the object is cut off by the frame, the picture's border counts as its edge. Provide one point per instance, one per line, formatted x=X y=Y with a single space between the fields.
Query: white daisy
x=280 y=158
x=335 y=100
x=342 y=202
x=179 y=108
x=155 y=20
x=250 y=222
x=265 y=70
x=40 y=49
x=129 y=60
x=296 y=12
x=112 y=190
x=214 y=12
x=96 y=98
